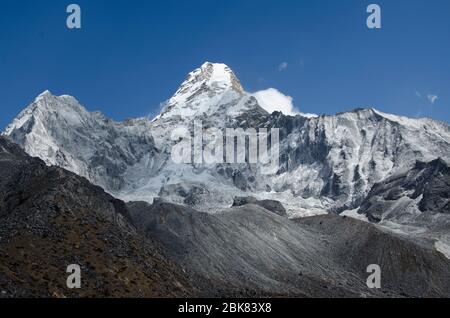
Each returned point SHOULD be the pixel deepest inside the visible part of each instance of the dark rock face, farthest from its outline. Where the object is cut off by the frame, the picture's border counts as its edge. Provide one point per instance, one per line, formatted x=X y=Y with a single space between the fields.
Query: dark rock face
x=250 y=251
x=51 y=218
x=436 y=192
x=423 y=190
x=271 y=205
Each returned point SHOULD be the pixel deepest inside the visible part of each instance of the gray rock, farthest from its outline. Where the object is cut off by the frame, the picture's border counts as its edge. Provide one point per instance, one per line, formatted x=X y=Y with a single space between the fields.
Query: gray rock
x=249 y=250
x=271 y=205
x=425 y=189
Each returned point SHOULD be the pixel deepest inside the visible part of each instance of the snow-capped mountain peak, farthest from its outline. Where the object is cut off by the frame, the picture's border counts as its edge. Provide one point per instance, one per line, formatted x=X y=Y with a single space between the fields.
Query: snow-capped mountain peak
x=217 y=76
x=204 y=91
x=44 y=94
x=46 y=104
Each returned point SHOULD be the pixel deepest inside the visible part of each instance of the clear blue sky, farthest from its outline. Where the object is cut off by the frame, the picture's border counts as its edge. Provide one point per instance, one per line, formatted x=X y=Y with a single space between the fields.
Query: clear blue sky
x=131 y=55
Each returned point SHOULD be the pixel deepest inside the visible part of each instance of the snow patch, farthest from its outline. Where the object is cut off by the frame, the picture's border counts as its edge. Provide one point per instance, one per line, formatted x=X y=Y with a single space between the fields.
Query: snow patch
x=355 y=215
x=443 y=248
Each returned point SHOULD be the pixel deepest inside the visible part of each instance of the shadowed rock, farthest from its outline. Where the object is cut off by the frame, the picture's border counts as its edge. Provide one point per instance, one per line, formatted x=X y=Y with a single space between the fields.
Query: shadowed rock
x=425 y=189
x=51 y=218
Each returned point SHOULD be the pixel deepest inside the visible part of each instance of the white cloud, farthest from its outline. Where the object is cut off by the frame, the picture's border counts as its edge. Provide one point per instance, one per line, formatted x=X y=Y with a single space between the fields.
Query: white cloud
x=283 y=66
x=432 y=98
x=273 y=100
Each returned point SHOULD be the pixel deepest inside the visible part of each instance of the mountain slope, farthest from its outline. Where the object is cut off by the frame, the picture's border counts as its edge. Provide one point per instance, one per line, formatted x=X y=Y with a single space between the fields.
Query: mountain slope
x=421 y=190
x=61 y=132
x=51 y=218
x=341 y=157
x=414 y=202
x=249 y=250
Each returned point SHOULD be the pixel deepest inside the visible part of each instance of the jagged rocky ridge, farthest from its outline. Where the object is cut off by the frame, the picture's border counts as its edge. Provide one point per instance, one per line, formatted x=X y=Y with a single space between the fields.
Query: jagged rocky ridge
x=328 y=163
